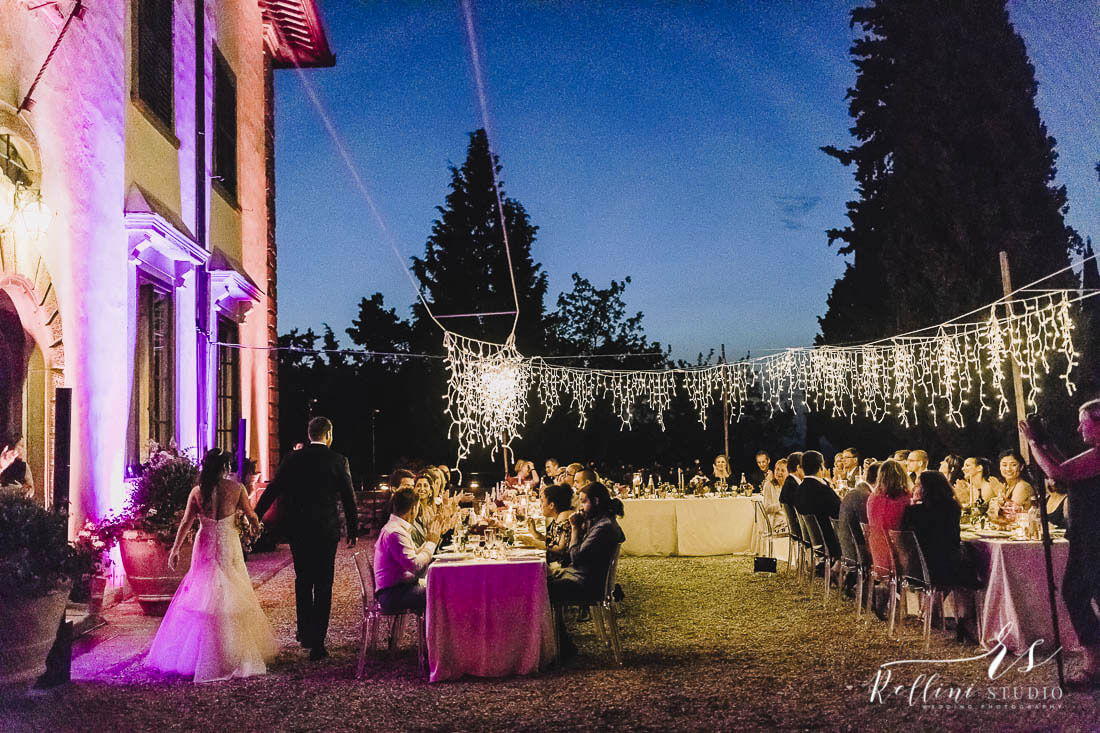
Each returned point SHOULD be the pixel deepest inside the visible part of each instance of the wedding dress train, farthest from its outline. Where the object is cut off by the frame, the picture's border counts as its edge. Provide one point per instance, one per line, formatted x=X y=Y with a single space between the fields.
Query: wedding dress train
x=214 y=628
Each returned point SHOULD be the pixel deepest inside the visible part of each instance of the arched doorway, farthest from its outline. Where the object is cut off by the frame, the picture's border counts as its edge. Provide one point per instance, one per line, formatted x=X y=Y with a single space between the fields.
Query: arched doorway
x=32 y=354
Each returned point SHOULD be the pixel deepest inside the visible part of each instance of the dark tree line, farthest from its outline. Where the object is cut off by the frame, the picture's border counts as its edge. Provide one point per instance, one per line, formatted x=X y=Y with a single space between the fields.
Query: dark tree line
x=388 y=410
x=953 y=164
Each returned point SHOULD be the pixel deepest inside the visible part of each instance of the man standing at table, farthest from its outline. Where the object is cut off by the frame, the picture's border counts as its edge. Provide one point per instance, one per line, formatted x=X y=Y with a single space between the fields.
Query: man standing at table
x=311 y=482
x=398 y=563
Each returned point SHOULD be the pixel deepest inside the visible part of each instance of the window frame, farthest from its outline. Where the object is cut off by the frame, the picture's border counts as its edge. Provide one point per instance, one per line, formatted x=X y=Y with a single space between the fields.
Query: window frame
x=228 y=386
x=227 y=186
x=165 y=125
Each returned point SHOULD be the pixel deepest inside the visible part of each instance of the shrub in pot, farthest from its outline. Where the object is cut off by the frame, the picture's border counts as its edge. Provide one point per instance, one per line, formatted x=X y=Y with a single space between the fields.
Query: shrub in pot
x=37 y=565
x=146 y=528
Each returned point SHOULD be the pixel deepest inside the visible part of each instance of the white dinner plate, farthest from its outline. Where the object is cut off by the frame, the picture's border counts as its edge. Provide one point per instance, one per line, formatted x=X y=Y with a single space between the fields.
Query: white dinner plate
x=453 y=556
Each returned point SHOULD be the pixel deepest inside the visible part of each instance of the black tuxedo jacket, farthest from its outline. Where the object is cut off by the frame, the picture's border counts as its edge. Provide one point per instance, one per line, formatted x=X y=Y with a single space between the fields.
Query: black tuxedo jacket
x=310 y=483
x=789 y=491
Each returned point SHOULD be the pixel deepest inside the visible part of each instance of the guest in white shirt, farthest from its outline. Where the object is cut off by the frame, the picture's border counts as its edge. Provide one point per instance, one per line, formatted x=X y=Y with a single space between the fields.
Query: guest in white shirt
x=398 y=563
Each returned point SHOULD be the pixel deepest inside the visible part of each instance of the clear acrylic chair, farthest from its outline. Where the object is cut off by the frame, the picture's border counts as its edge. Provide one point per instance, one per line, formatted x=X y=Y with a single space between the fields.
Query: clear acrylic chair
x=372 y=613
x=819 y=548
x=796 y=542
x=850 y=561
x=768 y=532
x=882 y=569
x=603 y=611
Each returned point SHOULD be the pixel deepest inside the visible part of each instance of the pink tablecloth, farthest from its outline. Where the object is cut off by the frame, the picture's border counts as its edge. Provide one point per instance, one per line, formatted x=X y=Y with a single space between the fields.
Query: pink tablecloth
x=488 y=619
x=1015 y=603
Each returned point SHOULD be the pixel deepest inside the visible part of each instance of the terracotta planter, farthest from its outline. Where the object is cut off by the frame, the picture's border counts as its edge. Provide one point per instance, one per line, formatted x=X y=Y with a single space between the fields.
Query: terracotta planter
x=145 y=560
x=30 y=627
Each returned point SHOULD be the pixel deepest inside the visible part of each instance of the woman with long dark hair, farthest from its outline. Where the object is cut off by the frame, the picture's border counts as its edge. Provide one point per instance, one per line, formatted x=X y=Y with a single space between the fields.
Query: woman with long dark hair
x=214 y=628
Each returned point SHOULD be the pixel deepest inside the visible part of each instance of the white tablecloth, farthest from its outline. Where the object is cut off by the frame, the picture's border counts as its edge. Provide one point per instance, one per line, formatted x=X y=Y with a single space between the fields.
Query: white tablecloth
x=488 y=618
x=692 y=526
x=1015 y=603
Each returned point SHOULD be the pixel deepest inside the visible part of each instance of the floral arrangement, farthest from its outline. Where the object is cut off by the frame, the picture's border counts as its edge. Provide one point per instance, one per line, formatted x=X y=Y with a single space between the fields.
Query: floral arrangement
x=699 y=485
x=35 y=555
x=91 y=559
x=158 y=497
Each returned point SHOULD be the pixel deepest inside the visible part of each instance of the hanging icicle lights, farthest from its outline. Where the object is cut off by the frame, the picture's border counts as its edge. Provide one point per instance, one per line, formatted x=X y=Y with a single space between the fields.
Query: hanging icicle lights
x=948 y=373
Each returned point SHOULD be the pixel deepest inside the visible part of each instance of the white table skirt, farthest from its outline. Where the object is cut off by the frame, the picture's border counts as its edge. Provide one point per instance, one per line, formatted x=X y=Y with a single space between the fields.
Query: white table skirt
x=693 y=526
x=1015 y=603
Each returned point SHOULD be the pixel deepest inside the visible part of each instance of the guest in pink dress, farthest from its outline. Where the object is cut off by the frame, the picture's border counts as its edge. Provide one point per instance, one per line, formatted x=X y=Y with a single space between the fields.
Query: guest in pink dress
x=885 y=507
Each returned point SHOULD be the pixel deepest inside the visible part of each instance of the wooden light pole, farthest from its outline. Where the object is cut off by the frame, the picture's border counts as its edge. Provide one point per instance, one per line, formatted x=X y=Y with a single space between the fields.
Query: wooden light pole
x=725 y=412
x=1017 y=382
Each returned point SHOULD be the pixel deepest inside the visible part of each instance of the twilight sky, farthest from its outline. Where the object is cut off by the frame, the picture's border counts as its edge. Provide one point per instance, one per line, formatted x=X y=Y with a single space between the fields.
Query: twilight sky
x=673 y=142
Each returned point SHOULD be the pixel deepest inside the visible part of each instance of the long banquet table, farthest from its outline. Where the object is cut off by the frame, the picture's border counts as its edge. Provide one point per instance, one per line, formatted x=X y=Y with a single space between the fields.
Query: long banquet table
x=692 y=526
x=488 y=618
x=1015 y=604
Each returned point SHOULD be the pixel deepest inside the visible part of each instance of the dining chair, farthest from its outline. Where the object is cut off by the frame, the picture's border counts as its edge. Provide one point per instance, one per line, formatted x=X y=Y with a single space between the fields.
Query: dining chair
x=820 y=550
x=882 y=569
x=849 y=561
x=372 y=612
x=769 y=532
x=602 y=609
x=796 y=542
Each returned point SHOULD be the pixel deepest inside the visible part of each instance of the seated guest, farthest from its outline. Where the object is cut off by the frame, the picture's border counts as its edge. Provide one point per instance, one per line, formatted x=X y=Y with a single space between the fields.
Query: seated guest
x=794 y=478
x=15 y=475
x=952 y=468
x=886 y=505
x=975 y=481
x=789 y=489
x=916 y=463
x=853 y=507
x=773 y=484
x=422 y=485
x=1057 y=504
x=567 y=474
x=594 y=537
x=760 y=472
x=934 y=517
x=846 y=467
x=1010 y=486
x=815 y=498
x=722 y=470
x=398 y=562
x=550 y=475
x=557 y=506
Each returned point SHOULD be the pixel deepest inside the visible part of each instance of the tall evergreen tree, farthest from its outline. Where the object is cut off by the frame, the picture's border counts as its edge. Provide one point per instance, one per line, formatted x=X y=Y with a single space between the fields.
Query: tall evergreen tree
x=465 y=267
x=953 y=164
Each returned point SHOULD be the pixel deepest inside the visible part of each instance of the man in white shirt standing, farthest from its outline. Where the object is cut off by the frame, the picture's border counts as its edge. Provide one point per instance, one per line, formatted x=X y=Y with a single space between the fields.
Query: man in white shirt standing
x=398 y=563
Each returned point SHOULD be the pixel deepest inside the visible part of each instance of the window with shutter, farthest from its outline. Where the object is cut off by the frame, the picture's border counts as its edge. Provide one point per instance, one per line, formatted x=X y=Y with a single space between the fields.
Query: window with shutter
x=229 y=380
x=153 y=67
x=225 y=126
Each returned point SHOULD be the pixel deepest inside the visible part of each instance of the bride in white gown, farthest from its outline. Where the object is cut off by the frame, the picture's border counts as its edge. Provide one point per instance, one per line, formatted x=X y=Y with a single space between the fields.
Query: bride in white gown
x=214 y=628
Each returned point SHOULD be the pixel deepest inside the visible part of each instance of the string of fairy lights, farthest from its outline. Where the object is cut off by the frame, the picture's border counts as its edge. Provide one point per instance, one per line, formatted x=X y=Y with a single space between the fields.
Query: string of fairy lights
x=949 y=373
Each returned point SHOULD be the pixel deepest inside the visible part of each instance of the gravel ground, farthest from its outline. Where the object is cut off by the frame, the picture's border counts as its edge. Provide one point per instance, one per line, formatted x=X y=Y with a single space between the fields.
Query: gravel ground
x=707 y=645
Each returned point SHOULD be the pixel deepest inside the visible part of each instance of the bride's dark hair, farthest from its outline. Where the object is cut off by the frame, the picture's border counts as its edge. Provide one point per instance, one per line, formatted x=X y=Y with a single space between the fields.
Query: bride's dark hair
x=214 y=464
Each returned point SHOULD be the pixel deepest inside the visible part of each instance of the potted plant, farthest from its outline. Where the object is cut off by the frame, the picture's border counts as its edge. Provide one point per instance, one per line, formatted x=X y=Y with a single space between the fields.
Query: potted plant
x=37 y=564
x=146 y=528
x=89 y=582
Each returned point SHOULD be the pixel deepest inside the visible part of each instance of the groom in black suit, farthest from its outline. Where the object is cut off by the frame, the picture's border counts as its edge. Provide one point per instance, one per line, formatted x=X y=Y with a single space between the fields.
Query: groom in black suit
x=310 y=483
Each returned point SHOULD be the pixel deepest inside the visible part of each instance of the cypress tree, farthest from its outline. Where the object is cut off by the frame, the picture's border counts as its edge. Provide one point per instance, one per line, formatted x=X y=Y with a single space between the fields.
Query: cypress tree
x=465 y=267
x=952 y=164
